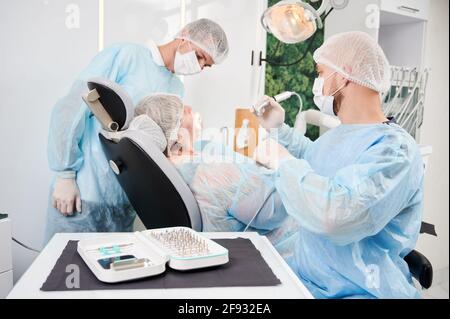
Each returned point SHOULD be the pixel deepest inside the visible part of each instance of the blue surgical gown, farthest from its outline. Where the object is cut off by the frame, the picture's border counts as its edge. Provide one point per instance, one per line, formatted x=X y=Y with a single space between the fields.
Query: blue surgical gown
x=357 y=193
x=74 y=148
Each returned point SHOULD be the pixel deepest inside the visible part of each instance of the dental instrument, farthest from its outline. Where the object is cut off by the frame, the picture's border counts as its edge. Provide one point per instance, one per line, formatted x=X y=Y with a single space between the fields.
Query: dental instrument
x=259 y=108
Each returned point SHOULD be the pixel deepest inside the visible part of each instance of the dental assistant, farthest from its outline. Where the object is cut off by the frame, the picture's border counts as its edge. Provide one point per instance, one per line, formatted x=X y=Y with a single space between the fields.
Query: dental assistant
x=357 y=191
x=85 y=195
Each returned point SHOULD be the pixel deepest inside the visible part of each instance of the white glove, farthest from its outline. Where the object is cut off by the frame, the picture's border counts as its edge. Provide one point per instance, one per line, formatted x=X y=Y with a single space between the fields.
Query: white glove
x=270 y=154
x=66 y=196
x=270 y=116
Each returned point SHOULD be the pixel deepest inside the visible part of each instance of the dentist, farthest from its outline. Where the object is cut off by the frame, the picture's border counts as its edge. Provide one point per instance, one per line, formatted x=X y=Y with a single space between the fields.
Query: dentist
x=357 y=191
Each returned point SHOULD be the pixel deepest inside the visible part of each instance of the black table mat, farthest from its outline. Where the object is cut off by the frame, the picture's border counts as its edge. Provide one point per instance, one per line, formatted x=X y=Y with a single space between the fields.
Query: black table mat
x=246 y=268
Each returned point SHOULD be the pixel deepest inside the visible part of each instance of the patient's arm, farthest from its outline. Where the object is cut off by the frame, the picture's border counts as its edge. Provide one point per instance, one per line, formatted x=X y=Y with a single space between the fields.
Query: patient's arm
x=234 y=192
x=261 y=209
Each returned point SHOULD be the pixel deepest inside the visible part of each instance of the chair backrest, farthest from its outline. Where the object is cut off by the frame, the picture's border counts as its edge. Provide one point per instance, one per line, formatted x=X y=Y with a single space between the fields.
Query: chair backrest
x=154 y=187
x=420 y=268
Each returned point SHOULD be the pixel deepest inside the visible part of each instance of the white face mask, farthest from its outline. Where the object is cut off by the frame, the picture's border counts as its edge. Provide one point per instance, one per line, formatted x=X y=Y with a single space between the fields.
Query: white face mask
x=186 y=64
x=325 y=103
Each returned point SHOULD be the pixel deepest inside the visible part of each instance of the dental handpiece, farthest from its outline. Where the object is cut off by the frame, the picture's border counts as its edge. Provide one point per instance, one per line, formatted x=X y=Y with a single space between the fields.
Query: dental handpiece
x=259 y=108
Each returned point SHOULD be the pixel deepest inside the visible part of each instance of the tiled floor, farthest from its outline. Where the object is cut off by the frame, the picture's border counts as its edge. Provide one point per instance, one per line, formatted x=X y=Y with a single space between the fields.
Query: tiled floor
x=439 y=289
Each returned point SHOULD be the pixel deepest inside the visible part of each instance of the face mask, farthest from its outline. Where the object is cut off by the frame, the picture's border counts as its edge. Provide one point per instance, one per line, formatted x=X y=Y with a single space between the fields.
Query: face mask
x=186 y=64
x=325 y=103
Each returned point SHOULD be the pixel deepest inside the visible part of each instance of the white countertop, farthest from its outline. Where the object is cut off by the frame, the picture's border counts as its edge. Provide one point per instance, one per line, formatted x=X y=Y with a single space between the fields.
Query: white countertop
x=291 y=287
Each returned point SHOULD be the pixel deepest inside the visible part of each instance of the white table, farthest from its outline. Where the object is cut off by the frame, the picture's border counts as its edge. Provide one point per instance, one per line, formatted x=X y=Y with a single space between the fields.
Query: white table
x=291 y=287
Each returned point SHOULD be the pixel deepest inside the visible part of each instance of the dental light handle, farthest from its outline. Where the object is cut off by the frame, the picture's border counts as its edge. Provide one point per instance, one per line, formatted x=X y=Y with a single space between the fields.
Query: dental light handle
x=259 y=108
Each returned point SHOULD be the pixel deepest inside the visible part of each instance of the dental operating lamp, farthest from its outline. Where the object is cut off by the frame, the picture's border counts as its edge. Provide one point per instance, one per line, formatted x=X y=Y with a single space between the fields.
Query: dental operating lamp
x=293 y=21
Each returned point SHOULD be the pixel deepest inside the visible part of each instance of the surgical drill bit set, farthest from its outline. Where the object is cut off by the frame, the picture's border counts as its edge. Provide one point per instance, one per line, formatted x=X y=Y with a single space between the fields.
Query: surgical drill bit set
x=182 y=242
x=129 y=256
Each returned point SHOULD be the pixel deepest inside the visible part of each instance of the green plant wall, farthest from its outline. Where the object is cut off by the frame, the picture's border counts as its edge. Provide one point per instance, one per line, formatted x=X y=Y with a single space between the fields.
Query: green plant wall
x=299 y=77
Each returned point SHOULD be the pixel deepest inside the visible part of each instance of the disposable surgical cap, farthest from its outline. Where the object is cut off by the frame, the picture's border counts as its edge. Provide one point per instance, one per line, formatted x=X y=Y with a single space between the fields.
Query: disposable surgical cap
x=166 y=110
x=208 y=36
x=358 y=57
x=144 y=125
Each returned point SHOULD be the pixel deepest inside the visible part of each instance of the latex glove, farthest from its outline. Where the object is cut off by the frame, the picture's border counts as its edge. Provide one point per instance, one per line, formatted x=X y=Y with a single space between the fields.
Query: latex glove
x=66 y=196
x=270 y=154
x=272 y=116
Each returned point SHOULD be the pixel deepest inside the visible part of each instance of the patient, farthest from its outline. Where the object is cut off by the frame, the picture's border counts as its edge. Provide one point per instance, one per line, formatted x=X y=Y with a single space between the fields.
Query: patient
x=234 y=194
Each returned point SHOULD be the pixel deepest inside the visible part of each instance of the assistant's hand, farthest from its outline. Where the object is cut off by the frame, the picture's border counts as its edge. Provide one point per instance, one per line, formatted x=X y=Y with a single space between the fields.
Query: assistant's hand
x=269 y=154
x=271 y=116
x=66 y=196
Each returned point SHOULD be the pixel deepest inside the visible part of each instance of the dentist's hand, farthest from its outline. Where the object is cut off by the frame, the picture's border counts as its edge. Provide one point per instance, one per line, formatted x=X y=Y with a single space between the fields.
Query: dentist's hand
x=270 y=154
x=272 y=115
x=66 y=196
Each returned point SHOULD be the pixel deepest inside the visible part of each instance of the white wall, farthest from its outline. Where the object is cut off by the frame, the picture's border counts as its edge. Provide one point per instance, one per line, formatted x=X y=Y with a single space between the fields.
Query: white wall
x=139 y=21
x=435 y=132
x=235 y=83
x=344 y=20
x=39 y=58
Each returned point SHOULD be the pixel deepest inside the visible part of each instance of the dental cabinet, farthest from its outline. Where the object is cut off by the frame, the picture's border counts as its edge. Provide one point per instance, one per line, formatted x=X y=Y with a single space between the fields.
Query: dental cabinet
x=6 y=272
x=416 y=9
x=399 y=26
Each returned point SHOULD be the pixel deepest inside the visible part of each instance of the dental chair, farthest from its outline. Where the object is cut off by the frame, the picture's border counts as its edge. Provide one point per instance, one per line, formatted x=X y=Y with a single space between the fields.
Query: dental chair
x=419 y=266
x=154 y=187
